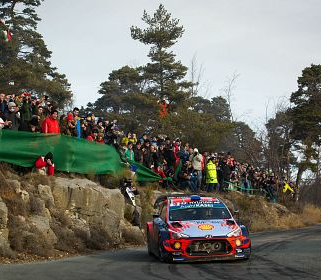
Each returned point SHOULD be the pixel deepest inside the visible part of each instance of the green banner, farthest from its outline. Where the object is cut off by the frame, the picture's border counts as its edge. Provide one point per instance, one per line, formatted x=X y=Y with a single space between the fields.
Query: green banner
x=70 y=154
x=143 y=173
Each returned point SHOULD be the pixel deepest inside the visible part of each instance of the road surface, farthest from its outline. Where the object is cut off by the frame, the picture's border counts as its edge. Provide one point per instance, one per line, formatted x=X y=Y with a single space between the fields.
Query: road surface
x=294 y=254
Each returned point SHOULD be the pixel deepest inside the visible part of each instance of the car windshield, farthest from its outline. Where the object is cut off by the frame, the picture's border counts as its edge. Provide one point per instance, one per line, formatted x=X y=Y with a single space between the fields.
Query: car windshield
x=203 y=213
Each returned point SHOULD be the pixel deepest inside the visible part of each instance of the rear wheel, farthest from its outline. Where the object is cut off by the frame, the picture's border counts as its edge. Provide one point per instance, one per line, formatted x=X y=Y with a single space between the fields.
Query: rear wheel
x=149 y=249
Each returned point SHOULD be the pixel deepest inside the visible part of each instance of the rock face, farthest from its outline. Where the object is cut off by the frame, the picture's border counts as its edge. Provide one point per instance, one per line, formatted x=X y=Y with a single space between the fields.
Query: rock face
x=69 y=215
x=87 y=200
x=4 y=243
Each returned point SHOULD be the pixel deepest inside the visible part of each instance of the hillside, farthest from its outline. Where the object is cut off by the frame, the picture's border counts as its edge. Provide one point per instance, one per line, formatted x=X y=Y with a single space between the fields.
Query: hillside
x=50 y=217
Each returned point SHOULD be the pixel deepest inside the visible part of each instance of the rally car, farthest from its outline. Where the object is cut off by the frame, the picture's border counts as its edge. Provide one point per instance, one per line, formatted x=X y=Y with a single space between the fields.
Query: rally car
x=194 y=228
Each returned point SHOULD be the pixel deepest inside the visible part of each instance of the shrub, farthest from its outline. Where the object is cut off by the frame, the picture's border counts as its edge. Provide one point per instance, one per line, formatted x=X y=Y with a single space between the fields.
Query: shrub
x=100 y=238
x=67 y=240
x=35 y=243
x=311 y=215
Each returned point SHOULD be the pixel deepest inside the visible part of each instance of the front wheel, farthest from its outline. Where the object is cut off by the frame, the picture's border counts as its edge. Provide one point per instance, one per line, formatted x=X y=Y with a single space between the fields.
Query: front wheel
x=161 y=255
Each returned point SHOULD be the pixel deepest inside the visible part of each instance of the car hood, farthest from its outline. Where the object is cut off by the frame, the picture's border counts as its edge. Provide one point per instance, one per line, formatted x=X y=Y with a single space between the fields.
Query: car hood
x=203 y=228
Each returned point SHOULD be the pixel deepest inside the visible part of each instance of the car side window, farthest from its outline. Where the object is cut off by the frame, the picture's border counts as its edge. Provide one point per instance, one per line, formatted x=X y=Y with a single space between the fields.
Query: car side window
x=163 y=212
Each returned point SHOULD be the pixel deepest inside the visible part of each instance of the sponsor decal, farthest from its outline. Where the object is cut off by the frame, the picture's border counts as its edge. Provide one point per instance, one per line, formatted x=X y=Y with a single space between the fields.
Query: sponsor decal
x=206 y=227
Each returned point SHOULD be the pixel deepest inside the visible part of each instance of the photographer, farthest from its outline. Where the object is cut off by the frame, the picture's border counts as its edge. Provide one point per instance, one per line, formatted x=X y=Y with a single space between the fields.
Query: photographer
x=45 y=165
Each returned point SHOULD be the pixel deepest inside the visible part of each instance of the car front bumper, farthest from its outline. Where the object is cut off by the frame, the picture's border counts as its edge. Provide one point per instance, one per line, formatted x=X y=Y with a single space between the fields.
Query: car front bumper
x=188 y=253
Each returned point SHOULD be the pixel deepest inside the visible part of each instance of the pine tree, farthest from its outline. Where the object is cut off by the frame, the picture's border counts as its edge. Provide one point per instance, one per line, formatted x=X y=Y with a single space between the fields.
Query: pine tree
x=305 y=115
x=164 y=74
x=25 y=60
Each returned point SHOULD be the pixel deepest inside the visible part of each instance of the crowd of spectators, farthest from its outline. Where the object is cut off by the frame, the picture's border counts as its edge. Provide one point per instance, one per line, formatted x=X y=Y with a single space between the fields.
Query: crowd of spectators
x=180 y=166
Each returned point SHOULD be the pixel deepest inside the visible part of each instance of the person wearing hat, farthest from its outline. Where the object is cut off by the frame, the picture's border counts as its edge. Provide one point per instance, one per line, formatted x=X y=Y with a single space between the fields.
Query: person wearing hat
x=196 y=160
x=51 y=124
x=34 y=124
x=100 y=126
x=45 y=165
x=13 y=115
x=211 y=175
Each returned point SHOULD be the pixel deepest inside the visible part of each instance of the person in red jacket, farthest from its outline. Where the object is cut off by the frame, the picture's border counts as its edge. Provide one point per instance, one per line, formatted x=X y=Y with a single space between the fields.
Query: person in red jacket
x=50 y=124
x=45 y=165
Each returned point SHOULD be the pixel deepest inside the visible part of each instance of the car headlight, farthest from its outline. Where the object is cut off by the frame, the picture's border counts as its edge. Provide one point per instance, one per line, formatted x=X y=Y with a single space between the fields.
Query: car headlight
x=178 y=235
x=236 y=232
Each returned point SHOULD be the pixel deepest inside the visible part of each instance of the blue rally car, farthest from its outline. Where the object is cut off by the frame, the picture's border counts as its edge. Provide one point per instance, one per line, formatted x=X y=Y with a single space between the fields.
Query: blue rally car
x=194 y=228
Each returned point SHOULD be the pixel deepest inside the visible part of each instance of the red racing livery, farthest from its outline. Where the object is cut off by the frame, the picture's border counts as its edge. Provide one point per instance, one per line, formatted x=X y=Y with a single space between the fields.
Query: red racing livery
x=193 y=228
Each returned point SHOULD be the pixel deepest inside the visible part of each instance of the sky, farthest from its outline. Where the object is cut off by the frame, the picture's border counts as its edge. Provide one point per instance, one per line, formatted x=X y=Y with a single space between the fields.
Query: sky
x=266 y=43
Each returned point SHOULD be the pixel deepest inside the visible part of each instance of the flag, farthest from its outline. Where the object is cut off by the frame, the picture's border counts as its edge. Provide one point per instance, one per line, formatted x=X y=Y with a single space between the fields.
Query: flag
x=6 y=35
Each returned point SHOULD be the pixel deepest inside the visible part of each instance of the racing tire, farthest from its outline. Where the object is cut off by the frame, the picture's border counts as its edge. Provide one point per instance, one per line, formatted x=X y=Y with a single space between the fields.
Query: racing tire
x=149 y=250
x=161 y=256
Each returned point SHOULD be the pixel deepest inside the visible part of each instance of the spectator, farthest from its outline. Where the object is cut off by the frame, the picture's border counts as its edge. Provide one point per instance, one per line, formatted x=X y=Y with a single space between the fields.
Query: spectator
x=3 y=122
x=93 y=135
x=196 y=160
x=125 y=139
x=129 y=154
x=45 y=165
x=77 y=121
x=185 y=153
x=100 y=138
x=225 y=173
x=138 y=153
x=147 y=159
x=34 y=124
x=13 y=115
x=25 y=111
x=160 y=154
x=185 y=177
x=71 y=125
x=3 y=103
x=85 y=130
x=50 y=124
x=100 y=126
x=211 y=176
x=154 y=156
x=133 y=138
x=169 y=155
x=41 y=115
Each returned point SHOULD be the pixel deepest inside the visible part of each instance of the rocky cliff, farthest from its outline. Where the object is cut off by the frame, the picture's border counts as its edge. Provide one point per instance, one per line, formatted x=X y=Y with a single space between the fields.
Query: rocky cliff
x=41 y=216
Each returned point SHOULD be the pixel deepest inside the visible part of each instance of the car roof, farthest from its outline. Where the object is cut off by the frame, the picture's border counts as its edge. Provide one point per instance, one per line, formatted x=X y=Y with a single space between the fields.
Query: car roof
x=194 y=198
x=186 y=198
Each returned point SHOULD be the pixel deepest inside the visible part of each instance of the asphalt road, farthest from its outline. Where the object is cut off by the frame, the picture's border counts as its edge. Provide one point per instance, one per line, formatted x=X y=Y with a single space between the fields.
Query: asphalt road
x=294 y=254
